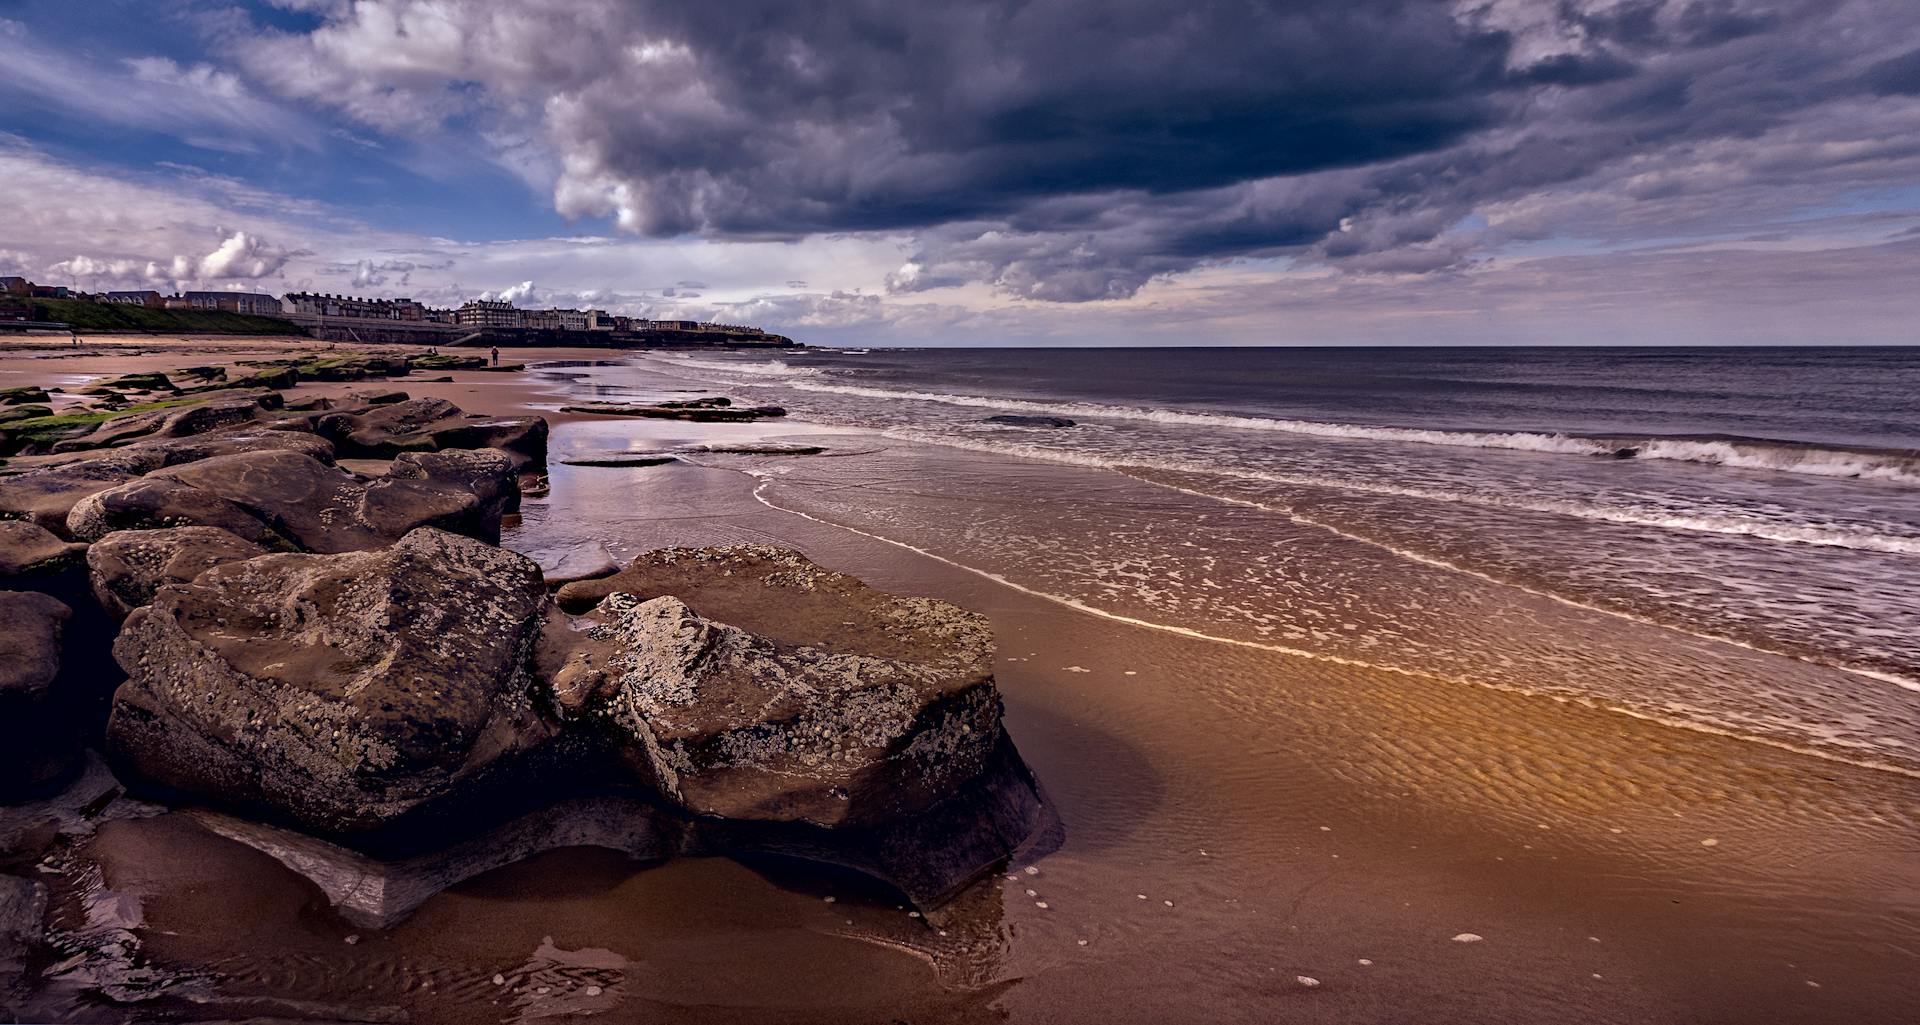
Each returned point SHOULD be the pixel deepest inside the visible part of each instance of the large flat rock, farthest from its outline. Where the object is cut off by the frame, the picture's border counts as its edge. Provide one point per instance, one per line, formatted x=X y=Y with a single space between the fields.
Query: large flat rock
x=127 y=567
x=750 y=684
x=324 y=509
x=47 y=495
x=431 y=425
x=339 y=693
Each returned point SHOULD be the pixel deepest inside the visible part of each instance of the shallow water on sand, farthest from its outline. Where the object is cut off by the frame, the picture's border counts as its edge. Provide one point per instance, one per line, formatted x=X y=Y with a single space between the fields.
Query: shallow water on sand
x=1772 y=501
x=1281 y=750
x=1303 y=774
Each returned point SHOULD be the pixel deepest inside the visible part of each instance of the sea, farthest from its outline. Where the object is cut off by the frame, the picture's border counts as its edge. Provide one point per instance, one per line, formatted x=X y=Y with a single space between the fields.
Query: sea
x=1723 y=539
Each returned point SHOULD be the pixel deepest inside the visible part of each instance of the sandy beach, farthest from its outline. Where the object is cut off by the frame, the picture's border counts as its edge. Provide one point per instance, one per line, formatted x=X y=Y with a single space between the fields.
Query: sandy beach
x=1247 y=835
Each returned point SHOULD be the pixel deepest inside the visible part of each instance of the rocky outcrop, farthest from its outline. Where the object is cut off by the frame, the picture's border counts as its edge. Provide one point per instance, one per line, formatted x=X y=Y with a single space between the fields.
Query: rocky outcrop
x=1020 y=420
x=149 y=503
x=36 y=738
x=750 y=684
x=30 y=552
x=351 y=695
x=427 y=703
x=17 y=396
x=681 y=411
x=152 y=455
x=146 y=381
x=630 y=460
x=128 y=566
x=47 y=495
x=322 y=509
x=431 y=425
x=488 y=473
x=211 y=414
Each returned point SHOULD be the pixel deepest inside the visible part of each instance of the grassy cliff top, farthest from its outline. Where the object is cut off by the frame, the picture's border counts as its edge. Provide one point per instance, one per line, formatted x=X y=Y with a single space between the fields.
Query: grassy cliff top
x=118 y=318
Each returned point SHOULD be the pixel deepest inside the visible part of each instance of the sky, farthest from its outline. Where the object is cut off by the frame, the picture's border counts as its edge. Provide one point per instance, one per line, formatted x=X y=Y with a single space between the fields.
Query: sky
x=1027 y=172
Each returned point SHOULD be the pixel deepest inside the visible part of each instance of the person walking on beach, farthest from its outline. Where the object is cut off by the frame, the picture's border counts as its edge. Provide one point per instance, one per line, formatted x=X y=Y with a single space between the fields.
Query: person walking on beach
x=496 y=355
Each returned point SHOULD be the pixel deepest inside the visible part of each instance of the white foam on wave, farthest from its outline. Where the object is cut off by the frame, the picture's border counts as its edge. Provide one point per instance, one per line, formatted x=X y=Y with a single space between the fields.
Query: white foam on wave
x=759 y=495
x=1903 y=682
x=1784 y=457
x=1707 y=523
x=767 y=368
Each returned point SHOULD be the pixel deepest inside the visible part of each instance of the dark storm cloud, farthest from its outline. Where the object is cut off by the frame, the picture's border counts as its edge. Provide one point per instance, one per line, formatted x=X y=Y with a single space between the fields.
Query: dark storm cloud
x=860 y=117
x=1897 y=74
x=1075 y=149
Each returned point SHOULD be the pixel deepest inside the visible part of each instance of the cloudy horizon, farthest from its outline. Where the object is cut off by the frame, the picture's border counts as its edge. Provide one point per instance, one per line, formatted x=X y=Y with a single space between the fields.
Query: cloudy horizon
x=1063 y=172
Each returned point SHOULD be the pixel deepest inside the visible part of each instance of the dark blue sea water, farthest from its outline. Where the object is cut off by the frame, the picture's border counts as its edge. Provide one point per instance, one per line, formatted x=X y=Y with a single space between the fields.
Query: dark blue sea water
x=1735 y=505
x=1849 y=396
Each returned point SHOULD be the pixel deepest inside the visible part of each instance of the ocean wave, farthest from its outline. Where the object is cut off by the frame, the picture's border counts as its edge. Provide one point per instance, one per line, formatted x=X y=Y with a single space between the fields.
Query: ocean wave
x=1896 y=466
x=1835 y=536
x=767 y=368
x=1810 y=744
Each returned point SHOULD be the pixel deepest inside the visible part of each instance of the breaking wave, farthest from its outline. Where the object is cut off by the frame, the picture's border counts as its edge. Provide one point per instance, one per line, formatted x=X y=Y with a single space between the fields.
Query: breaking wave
x=1896 y=466
x=1709 y=523
x=768 y=368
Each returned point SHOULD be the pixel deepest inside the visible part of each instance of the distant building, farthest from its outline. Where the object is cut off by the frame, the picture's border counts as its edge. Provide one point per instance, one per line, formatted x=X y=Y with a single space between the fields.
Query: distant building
x=149 y=299
x=16 y=286
x=232 y=302
x=600 y=320
x=488 y=313
x=313 y=304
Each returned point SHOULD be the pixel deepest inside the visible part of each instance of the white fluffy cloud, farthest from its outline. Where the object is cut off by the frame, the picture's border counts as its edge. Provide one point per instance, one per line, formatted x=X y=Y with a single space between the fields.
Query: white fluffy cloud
x=242 y=255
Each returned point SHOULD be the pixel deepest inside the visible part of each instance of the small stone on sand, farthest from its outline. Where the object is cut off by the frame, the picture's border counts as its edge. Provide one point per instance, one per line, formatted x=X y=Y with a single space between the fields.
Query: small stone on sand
x=1468 y=937
x=1081 y=942
x=1366 y=961
x=1709 y=842
x=499 y=980
x=1078 y=669
x=1307 y=981
x=830 y=900
x=1032 y=871
x=1041 y=904
x=593 y=991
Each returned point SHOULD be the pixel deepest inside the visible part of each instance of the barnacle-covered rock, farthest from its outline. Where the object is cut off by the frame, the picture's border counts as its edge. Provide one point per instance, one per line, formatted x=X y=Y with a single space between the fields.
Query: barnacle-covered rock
x=750 y=684
x=340 y=693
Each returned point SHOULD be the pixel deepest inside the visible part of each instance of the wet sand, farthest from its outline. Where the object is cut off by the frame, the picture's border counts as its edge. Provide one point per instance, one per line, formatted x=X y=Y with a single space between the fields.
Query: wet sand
x=1249 y=836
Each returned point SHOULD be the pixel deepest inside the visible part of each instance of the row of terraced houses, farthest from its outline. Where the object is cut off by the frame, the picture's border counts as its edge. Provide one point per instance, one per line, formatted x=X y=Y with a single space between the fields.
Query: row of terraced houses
x=487 y=313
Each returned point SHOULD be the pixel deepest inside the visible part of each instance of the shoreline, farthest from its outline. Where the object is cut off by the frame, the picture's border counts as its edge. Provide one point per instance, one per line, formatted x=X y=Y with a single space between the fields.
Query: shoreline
x=1711 y=756
x=1236 y=821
